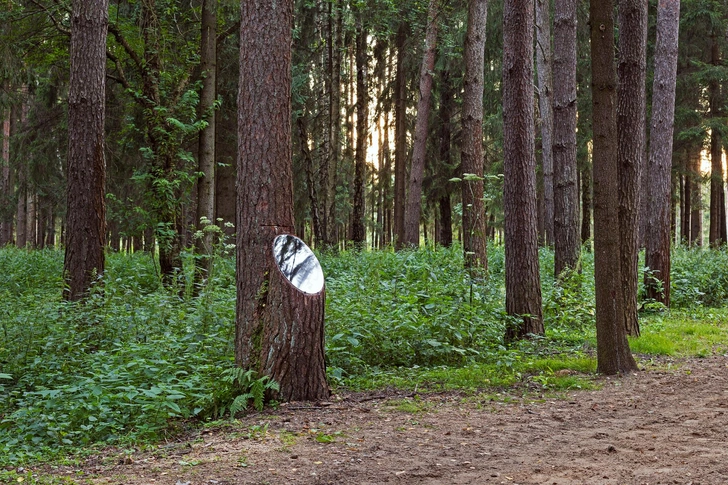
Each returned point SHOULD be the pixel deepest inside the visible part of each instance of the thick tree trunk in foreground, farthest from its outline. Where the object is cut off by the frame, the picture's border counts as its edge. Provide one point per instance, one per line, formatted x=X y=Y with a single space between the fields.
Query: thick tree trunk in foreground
x=631 y=144
x=86 y=219
x=523 y=286
x=659 y=164
x=474 y=222
x=544 y=61
x=206 y=163
x=413 y=206
x=613 y=354
x=567 y=247
x=275 y=329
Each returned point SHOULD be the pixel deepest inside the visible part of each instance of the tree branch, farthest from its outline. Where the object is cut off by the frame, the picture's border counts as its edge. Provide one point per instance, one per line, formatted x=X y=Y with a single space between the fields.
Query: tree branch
x=59 y=26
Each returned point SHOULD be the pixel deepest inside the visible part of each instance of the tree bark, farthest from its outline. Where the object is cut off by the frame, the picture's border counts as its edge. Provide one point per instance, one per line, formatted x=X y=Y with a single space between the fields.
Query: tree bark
x=266 y=338
x=631 y=102
x=400 y=137
x=544 y=60
x=413 y=207
x=695 y=204
x=613 y=354
x=86 y=189
x=567 y=247
x=359 y=236
x=717 y=183
x=474 y=221
x=6 y=184
x=523 y=286
x=447 y=107
x=206 y=150
x=659 y=164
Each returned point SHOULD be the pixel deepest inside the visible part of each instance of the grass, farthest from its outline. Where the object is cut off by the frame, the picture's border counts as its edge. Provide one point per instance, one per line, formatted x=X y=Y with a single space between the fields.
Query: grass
x=136 y=363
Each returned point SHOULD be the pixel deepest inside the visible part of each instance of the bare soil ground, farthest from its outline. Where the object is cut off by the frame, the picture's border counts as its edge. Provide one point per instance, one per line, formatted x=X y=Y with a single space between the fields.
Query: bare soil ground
x=664 y=425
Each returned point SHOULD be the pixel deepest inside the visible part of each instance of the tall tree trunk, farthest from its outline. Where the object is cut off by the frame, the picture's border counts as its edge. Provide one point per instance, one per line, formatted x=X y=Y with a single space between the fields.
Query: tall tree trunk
x=695 y=204
x=359 y=236
x=613 y=353
x=279 y=329
x=523 y=287
x=400 y=136
x=685 y=198
x=659 y=164
x=631 y=102
x=544 y=61
x=586 y=204
x=566 y=192
x=21 y=215
x=206 y=162
x=474 y=219
x=447 y=102
x=86 y=190
x=6 y=184
x=413 y=207
x=334 y=54
x=717 y=184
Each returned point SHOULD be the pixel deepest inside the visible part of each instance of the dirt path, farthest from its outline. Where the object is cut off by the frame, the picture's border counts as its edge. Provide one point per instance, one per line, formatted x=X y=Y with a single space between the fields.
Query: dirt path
x=655 y=427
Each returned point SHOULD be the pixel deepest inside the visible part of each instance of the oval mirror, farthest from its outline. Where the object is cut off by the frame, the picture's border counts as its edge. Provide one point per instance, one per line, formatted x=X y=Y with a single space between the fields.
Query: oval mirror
x=298 y=263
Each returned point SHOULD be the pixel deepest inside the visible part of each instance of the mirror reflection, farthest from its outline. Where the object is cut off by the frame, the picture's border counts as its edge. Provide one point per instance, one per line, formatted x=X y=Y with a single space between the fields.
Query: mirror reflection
x=298 y=263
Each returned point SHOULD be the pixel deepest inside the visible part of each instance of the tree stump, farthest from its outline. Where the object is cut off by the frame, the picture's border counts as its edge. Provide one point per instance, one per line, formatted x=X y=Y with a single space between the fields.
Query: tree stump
x=292 y=340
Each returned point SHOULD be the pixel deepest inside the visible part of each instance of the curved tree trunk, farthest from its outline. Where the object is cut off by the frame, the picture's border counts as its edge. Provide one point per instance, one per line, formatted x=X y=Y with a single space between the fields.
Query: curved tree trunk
x=86 y=219
x=413 y=207
x=474 y=222
x=613 y=353
x=566 y=192
x=659 y=164
x=266 y=338
x=523 y=286
x=631 y=144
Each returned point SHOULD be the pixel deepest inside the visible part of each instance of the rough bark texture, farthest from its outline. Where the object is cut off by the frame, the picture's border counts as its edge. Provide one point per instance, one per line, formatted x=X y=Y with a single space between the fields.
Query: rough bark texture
x=659 y=164
x=419 y=150
x=631 y=144
x=359 y=236
x=85 y=195
x=613 y=354
x=474 y=221
x=544 y=60
x=717 y=184
x=273 y=326
x=567 y=246
x=523 y=287
x=443 y=235
x=206 y=152
x=400 y=137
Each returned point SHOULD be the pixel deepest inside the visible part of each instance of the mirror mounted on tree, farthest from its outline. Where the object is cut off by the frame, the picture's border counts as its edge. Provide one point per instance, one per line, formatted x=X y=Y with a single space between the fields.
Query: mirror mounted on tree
x=298 y=264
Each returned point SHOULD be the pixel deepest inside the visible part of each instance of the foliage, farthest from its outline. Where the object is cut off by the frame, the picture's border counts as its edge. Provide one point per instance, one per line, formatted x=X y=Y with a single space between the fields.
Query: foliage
x=137 y=360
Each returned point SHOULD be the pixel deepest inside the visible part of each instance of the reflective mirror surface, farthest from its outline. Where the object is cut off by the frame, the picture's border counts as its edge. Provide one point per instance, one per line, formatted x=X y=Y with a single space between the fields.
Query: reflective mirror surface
x=298 y=263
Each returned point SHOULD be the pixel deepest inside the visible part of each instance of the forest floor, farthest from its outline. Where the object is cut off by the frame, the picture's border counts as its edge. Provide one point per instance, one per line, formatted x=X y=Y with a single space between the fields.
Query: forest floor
x=666 y=424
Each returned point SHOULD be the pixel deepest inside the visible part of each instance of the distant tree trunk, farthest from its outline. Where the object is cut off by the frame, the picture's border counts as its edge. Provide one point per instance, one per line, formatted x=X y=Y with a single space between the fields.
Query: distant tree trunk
x=359 y=235
x=586 y=205
x=86 y=217
x=335 y=47
x=544 y=61
x=447 y=102
x=613 y=354
x=400 y=136
x=659 y=164
x=277 y=333
x=566 y=192
x=413 y=207
x=717 y=184
x=6 y=184
x=474 y=219
x=631 y=102
x=695 y=204
x=523 y=286
x=206 y=162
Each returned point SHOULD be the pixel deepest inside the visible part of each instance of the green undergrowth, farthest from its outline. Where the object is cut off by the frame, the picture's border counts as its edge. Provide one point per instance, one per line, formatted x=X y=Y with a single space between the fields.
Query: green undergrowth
x=137 y=363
